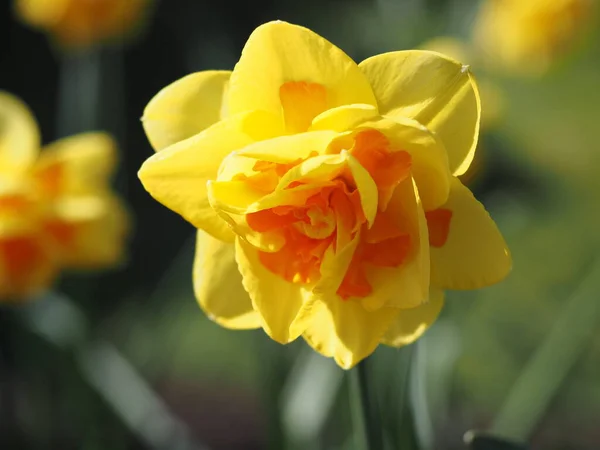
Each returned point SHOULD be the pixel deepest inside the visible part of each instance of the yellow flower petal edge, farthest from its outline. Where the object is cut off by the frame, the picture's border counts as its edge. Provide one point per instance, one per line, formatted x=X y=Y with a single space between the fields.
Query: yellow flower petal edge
x=475 y=254
x=19 y=135
x=177 y=175
x=410 y=324
x=218 y=285
x=290 y=71
x=413 y=277
x=278 y=318
x=186 y=107
x=346 y=332
x=436 y=91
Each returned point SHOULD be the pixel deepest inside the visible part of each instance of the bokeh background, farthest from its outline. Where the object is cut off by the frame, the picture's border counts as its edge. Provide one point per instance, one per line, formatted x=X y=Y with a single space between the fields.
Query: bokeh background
x=126 y=359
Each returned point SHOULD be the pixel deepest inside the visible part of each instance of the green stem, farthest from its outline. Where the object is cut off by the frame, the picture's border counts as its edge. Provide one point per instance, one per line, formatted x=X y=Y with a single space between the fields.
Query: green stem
x=365 y=416
x=79 y=93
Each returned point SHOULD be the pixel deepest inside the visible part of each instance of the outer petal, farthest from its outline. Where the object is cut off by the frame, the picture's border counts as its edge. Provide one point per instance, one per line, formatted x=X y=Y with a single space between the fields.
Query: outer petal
x=19 y=135
x=185 y=107
x=78 y=164
x=347 y=332
x=475 y=254
x=218 y=285
x=410 y=324
x=406 y=286
x=177 y=176
x=436 y=91
x=277 y=53
x=277 y=301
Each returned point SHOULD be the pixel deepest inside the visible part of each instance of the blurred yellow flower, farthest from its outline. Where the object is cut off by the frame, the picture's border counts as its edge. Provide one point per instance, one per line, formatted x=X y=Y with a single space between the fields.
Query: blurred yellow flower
x=56 y=207
x=81 y=23
x=526 y=36
x=325 y=192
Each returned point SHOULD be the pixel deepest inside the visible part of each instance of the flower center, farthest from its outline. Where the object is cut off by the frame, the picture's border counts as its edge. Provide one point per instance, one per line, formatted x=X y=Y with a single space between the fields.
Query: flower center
x=333 y=215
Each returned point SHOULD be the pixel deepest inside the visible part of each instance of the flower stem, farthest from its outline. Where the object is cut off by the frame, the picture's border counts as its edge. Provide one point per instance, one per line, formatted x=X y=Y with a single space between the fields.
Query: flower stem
x=365 y=416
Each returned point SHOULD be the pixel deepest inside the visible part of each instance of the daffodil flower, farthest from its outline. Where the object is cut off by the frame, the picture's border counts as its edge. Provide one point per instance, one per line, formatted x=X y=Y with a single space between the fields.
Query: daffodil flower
x=81 y=23
x=325 y=192
x=56 y=206
x=526 y=36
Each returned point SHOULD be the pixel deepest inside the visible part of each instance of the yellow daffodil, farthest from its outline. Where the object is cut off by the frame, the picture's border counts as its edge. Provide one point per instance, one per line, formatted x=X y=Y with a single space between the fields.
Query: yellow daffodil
x=56 y=207
x=526 y=36
x=325 y=192
x=80 y=23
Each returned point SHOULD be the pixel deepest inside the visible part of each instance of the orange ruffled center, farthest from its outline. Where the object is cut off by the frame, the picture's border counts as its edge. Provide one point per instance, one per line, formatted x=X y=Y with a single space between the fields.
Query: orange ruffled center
x=333 y=215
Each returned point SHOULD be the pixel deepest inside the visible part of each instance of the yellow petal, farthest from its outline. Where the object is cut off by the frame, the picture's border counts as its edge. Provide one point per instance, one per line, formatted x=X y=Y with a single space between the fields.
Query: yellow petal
x=318 y=170
x=77 y=164
x=366 y=187
x=177 y=175
x=344 y=118
x=410 y=324
x=436 y=91
x=345 y=331
x=334 y=265
x=285 y=149
x=406 y=286
x=475 y=254
x=90 y=233
x=19 y=135
x=237 y=197
x=428 y=155
x=277 y=301
x=185 y=107
x=218 y=285
x=279 y=55
x=232 y=200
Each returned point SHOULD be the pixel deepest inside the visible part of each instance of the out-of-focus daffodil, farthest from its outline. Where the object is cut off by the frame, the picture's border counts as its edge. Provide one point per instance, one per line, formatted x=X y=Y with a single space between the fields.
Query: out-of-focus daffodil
x=526 y=36
x=81 y=23
x=56 y=207
x=325 y=192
